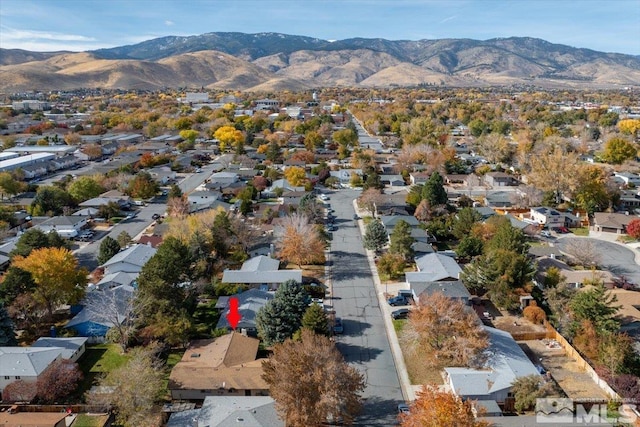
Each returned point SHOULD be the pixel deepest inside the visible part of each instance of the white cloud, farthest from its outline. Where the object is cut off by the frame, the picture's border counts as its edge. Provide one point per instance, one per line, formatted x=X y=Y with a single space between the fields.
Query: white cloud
x=169 y=23
x=448 y=19
x=13 y=35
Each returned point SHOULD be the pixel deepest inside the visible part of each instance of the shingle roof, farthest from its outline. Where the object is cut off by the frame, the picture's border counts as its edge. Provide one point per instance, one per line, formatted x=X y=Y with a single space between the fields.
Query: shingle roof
x=435 y=267
x=136 y=255
x=68 y=345
x=94 y=300
x=451 y=289
x=222 y=411
x=506 y=363
x=249 y=302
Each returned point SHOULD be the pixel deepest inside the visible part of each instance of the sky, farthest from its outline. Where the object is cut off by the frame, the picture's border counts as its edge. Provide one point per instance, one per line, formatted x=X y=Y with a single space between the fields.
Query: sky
x=80 y=25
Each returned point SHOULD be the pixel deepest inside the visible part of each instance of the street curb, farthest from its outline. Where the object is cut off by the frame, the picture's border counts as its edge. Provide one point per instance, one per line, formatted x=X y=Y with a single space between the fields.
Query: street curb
x=398 y=358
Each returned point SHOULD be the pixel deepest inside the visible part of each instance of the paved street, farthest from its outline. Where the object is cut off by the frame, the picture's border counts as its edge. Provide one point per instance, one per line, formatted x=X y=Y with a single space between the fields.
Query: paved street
x=614 y=257
x=364 y=342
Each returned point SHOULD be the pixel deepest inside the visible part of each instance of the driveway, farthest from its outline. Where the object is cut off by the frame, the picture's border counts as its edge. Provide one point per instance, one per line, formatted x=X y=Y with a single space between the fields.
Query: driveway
x=614 y=257
x=364 y=343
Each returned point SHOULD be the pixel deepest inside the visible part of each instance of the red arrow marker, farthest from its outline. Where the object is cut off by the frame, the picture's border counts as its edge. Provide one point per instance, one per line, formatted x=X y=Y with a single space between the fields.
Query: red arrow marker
x=233 y=316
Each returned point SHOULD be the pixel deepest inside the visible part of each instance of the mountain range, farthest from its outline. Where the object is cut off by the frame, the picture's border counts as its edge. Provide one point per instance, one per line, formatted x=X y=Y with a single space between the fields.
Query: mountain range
x=273 y=61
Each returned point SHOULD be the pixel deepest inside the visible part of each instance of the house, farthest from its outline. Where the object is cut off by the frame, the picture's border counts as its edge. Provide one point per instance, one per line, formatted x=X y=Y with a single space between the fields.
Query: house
x=292 y=197
x=506 y=363
x=224 y=366
x=283 y=184
x=261 y=271
x=65 y=226
x=223 y=178
x=548 y=217
x=392 y=180
x=418 y=178
x=434 y=268
x=499 y=179
x=203 y=197
x=162 y=174
x=101 y=310
x=72 y=348
x=249 y=303
x=119 y=278
x=390 y=221
x=628 y=178
x=130 y=260
x=116 y=196
x=223 y=411
x=573 y=278
x=25 y=363
x=344 y=175
x=611 y=222
x=453 y=289
x=499 y=199
x=36 y=419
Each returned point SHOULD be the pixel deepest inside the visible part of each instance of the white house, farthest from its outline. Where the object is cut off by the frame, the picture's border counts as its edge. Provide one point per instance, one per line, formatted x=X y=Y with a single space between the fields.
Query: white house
x=628 y=178
x=547 y=216
x=72 y=348
x=25 y=363
x=131 y=260
x=203 y=197
x=66 y=226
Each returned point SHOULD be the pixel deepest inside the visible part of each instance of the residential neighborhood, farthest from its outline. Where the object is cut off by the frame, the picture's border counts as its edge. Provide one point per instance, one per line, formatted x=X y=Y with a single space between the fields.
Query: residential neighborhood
x=410 y=247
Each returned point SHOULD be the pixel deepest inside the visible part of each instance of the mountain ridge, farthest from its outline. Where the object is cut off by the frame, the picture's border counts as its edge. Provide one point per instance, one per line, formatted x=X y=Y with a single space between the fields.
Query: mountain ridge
x=263 y=60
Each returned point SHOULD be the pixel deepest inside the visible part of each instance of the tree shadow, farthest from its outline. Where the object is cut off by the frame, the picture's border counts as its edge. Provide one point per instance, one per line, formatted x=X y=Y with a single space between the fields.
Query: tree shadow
x=354 y=327
x=378 y=411
x=357 y=354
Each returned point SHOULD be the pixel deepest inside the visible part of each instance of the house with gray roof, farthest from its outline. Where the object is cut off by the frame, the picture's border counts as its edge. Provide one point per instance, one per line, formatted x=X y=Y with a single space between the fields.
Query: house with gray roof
x=25 y=363
x=72 y=348
x=66 y=226
x=434 y=268
x=249 y=303
x=506 y=362
x=130 y=260
x=453 y=289
x=224 y=411
x=261 y=271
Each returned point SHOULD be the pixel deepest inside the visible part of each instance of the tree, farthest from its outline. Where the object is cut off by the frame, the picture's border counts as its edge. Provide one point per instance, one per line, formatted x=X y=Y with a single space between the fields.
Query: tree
x=633 y=228
x=7 y=331
x=108 y=248
x=443 y=329
x=469 y=247
x=115 y=307
x=85 y=188
x=534 y=314
x=435 y=408
x=529 y=388
x=109 y=210
x=401 y=240
x=597 y=306
x=10 y=185
x=19 y=391
x=56 y=274
x=464 y=221
x=142 y=186
x=228 y=137
x=33 y=238
x=136 y=387
x=617 y=150
x=551 y=167
x=300 y=242
x=282 y=316
x=433 y=190
x=295 y=175
x=375 y=236
x=310 y=381
x=174 y=191
x=370 y=199
x=315 y=320
x=178 y=207
x=391 y=265
x=50 y=200
x=507 y=237
x=582 y=251
x=58 y=381
x=124 y=239
x=15 y=282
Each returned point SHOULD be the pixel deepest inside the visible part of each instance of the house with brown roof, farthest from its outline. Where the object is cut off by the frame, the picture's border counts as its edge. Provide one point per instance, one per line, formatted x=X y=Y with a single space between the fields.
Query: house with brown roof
x=611 y=222
x=224 y=366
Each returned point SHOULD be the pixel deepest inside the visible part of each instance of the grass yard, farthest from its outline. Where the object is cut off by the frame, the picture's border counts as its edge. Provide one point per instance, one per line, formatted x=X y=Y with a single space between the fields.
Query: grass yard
x=85 y=420
x=582 y=231
x=99 y=360
x=173 y=358
x=419 y=372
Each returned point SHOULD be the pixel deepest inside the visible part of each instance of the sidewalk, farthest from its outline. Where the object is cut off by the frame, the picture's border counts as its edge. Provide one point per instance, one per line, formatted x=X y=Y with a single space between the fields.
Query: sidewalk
x=408 y=390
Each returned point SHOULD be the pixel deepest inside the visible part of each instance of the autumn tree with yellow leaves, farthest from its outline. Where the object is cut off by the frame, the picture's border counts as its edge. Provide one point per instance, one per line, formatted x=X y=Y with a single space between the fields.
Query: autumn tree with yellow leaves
x=56 y=275
x=300 y=242
x=435 y=408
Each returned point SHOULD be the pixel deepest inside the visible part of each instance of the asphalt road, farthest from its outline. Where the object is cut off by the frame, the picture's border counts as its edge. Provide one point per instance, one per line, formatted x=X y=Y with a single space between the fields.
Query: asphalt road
x=87 y=252
x=614 y=257
x=364 y=343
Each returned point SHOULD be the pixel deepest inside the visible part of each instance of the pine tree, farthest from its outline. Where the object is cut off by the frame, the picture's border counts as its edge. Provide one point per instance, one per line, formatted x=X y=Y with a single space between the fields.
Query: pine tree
x=401 y=240
x=315 y=319
x=433 y=190
x=7 y=332
x=281 y=317
x=108 y=248
x=375 y=236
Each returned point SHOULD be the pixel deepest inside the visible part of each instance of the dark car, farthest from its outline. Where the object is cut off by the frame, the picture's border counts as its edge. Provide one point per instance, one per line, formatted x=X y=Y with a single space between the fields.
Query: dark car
x=155 y=216
x=337 y=326
x=402 y=313
x=403 y=408
x=399 y=300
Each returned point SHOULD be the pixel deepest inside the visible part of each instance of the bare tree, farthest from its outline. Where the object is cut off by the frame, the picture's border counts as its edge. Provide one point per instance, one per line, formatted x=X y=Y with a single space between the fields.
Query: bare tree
x=114 y=307
x=178 y=207
x=370 y=199
x=582 y=251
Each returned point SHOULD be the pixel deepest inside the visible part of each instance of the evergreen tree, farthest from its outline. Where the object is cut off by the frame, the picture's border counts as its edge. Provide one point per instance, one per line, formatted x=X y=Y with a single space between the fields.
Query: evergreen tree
x=282 y=316
x=108 y=248
x=464 y=221
x=15 y=282
x=507 y=237
x=375 y=236
x=401 y=240
x=433 y=190
x=33 y=238
x=7 y=331
x=315 y=319
x=596 y=305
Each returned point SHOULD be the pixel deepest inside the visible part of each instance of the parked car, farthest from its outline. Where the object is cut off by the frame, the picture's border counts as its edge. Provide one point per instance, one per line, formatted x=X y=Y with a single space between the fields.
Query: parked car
x=399 y=300
x=403 y=408
x=337 y=326
x=155 y=216
x=545 y=233
x=402 y=313
x=356 y=217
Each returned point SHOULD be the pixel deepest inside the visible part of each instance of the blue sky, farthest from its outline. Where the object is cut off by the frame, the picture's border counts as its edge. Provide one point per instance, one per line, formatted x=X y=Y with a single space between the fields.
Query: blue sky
x=78 y=25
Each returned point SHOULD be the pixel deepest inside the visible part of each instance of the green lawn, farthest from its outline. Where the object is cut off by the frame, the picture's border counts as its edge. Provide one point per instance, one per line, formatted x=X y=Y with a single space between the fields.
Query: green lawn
x=582 y=231
x=99 y=360
x=84 y=420
x=173 y=358
x=398 y=324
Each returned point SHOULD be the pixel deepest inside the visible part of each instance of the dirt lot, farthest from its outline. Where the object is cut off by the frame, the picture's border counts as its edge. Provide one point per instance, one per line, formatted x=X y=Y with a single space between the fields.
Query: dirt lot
x=573 y=380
